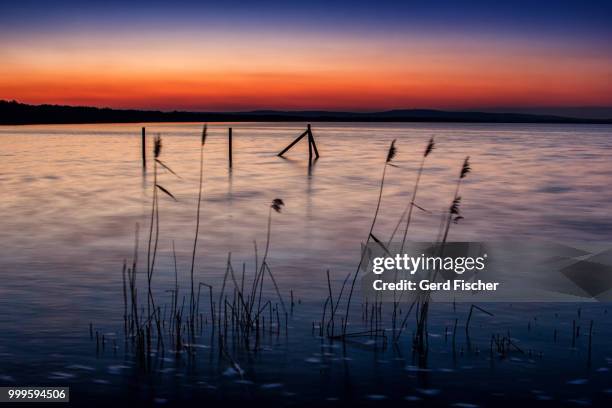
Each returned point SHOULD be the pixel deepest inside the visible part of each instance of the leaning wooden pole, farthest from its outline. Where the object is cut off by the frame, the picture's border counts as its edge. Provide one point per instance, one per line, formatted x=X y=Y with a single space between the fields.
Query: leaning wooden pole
x=144 y=148
x=293 y=143
x=230 y=147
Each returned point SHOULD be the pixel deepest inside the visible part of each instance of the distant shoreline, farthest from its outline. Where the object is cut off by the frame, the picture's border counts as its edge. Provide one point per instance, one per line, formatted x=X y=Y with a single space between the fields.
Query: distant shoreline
x=15 y=113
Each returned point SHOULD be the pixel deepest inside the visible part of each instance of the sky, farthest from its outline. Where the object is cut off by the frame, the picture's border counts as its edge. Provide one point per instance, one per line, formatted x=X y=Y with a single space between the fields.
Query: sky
x=332 y=55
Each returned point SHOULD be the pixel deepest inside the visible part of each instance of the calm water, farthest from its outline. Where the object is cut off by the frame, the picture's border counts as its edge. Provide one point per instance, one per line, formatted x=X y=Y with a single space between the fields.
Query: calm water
x=72 y=196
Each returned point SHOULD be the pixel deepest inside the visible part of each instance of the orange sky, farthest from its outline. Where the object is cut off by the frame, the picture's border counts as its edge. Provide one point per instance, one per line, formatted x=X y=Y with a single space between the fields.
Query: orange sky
x=307 y=71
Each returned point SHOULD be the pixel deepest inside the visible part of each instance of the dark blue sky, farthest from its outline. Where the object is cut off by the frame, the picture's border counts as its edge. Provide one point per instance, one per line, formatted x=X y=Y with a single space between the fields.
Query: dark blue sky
x=565 y=18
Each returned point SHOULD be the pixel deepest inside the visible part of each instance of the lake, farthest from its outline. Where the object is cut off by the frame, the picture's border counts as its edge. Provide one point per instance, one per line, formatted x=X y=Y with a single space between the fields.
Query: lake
x=73 y=195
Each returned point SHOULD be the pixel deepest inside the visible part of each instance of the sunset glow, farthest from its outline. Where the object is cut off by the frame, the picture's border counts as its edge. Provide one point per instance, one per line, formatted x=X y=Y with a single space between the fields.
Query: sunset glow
x=163 y=63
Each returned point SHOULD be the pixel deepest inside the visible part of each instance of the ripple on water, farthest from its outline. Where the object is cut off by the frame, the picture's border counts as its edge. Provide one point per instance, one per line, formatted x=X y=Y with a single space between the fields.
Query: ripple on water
x=313 y=360
x=270 y=386
x=231 y=372
x=80 y=367
x=580 y=401
x=430 y=392
x=411 y=368
x=116 y=369
x=60 y=375
x=578 y=381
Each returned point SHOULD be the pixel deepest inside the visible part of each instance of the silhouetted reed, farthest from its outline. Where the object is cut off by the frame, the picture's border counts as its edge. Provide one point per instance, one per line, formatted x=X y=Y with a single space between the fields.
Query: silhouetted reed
x=453 y=216
x=428 y=149
x=467 y=323
x=372 y=314
x=391 y=153
x=238 y=315
x=412 y=204
x=192 y=311
x=237 y=318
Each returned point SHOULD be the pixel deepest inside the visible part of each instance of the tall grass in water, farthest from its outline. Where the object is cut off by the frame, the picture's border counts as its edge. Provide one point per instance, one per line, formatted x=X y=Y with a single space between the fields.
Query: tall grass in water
x=157 y=146
x=246 y=312
x=428 y=149
x=276 y=206
x=390 y=156
x=238 y=320
x=192 y=301
x=152 y=310
x=153 y=236
x=453 y=216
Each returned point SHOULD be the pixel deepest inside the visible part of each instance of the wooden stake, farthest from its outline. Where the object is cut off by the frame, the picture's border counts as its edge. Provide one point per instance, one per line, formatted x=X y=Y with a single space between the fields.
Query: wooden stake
x=144 y=149
x=230 y=148
x=309 y=144
x=312 y=141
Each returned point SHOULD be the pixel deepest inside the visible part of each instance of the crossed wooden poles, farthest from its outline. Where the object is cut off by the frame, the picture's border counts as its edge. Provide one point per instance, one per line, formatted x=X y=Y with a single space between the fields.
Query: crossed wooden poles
x=311 y=145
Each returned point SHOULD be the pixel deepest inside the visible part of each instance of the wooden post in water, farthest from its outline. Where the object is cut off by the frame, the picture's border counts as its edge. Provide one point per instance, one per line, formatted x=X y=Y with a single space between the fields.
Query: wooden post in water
x=144 y=149
x=311 y=144
x=230 y=148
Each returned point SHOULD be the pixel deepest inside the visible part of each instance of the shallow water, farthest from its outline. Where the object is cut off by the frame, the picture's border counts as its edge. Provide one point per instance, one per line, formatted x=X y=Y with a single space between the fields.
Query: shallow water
x=74 y=194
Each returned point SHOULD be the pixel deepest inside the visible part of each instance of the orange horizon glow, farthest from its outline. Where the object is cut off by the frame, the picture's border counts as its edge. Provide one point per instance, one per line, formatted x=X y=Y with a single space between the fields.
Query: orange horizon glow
x=186 y=73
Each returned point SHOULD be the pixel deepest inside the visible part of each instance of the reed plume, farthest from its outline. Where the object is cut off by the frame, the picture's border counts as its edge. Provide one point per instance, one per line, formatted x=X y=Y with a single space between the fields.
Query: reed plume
x=277 y=205
x=453 y=211
x=392 y=152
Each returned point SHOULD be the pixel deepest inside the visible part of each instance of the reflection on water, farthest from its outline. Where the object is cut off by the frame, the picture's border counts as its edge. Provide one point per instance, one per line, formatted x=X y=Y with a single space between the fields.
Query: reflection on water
x=72 y=196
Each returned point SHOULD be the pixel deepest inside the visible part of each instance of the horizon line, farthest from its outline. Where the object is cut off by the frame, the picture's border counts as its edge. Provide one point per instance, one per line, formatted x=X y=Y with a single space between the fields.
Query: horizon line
x=16 y=113
x=476 y=109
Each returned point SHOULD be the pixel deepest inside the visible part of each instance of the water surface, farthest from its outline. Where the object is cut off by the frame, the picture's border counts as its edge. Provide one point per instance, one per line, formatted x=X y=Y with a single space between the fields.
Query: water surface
x=73 y=195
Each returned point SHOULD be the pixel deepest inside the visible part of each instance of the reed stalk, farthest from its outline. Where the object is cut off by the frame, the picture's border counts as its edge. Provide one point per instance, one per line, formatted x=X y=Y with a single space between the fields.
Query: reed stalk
x=390 y=156
x=428 y=149
x=150 y=261
x=453 y=215
x=197 y=229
